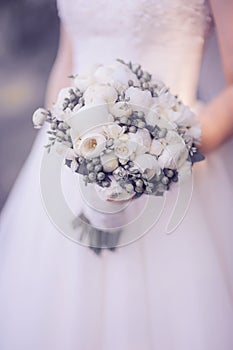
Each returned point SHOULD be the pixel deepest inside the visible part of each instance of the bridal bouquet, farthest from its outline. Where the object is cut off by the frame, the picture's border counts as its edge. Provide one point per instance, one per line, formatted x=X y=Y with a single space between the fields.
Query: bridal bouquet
x=123 y=131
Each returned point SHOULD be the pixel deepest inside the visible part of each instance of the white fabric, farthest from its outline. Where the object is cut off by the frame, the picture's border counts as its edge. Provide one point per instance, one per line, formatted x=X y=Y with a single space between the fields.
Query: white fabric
x=166 y=292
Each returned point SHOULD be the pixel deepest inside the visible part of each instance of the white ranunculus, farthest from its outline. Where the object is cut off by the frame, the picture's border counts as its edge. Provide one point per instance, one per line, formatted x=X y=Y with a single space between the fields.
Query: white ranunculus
x=141 y=100
x=87 y=118
x=147 y=162
x=120 y=109
x=142 y=140
x=156 y=147
x=114 y=192
x=90 y=146
x=117 y=75
x=109 y=162
x=39 y=117
x=99 y=94
x=173 y=156
x=124 y=148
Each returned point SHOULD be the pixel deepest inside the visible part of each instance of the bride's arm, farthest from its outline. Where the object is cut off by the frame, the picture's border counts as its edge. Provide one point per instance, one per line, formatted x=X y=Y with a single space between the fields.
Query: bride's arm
x=62 y=68
x=217 y=117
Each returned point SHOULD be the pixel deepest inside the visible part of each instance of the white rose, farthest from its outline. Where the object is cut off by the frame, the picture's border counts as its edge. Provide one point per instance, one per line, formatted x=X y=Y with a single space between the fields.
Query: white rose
x=114 y=192
x=99 y=94
x=117 y=75
x=142 y=140
x=120 y=109
x=109 y=162
x=88 y=117
x=147 y=162
x=124 y=148
x=182 y=116
x=90 y=146
x=173 y=156
x=140 y=99
x=156 y=147
x=39 y=117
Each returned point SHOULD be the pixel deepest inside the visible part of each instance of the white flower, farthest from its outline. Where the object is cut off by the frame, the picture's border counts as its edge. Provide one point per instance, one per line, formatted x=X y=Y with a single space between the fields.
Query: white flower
x=195 y=132
x=172 y=137
x=113 y=131
x=109 y=162
x=57 y=109
x=88 y=117
x=90 y=146
x=124 y=147
x=116 y=75
x=120 y=109
x=84 y=80
x=147 y=162
x=156 y=147
x=142 y=140
x=159 y=111
x=173 y=156
x=141 y=100
x=181 y=115
x=114 y=192
x=99 y=94
x=39 y=117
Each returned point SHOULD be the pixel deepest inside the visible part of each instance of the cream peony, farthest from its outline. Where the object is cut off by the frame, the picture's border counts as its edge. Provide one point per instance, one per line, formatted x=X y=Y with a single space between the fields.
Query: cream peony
x=90 y=146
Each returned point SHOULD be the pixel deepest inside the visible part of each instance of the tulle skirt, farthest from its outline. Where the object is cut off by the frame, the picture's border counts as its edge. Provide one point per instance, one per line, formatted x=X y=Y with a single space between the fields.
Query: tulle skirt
x=166 y=292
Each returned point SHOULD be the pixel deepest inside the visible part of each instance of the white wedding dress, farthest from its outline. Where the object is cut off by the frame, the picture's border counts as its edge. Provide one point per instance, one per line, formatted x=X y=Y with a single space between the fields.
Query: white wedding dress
x=165 y=292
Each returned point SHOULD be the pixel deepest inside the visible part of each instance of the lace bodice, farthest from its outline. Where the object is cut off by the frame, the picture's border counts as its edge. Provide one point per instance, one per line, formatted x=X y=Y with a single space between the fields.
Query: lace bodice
x=165 y=36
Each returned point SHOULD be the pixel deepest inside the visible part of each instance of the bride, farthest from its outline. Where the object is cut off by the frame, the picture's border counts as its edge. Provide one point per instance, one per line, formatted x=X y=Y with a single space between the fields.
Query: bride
x=166 y=292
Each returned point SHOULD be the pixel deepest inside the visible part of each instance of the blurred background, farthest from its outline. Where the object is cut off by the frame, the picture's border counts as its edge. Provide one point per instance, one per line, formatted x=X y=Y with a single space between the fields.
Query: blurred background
x=29 y=31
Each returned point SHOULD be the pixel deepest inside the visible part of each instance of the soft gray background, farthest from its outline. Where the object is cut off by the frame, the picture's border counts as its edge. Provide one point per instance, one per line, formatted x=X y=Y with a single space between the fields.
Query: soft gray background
x=29 y=33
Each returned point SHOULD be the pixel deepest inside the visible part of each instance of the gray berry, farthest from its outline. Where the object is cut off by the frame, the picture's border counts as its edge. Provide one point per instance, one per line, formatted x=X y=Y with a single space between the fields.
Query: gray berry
x=100 y=176
x=132 y=129
x=98 y=168
x=92 y=176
